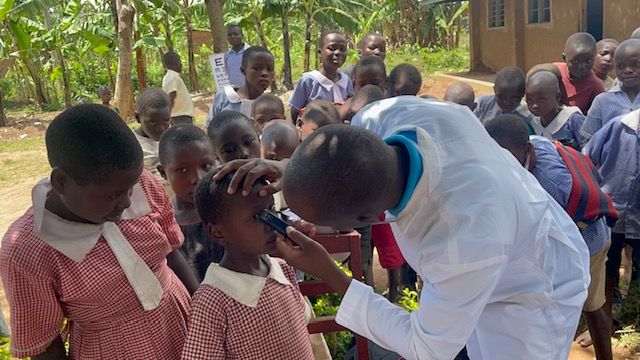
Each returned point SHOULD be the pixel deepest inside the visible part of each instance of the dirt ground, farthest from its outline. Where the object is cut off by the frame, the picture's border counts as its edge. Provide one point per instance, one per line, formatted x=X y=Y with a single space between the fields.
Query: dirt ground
x=15 y=197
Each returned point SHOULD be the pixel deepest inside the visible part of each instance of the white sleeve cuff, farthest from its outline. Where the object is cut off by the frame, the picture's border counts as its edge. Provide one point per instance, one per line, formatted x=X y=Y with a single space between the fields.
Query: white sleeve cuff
x=352 y=303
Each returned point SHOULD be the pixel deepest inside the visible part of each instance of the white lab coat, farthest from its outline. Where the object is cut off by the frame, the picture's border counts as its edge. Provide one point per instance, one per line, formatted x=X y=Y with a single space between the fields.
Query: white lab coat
x=505 y=269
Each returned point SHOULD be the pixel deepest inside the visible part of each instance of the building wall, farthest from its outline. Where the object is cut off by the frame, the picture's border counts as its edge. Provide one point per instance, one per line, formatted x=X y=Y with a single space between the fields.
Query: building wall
x=621 y=17
x=545 y=42
x=497 y=45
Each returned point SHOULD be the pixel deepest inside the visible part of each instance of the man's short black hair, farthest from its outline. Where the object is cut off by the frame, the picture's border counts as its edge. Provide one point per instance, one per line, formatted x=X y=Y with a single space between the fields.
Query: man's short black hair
x=508 y=129
x=581 y=40
x=337 y=167
x=152 y=98
x=88 y=141
x=511 y=76
x=224 y=119
x=170 y=59
x=370 y=63
x=410 y=77
x=178 y=136
x=251 y=51
x=232 y=26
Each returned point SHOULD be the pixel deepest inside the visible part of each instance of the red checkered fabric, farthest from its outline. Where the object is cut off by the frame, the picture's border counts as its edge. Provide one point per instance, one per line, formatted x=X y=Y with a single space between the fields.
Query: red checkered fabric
x=105 y=317
x=222 y=328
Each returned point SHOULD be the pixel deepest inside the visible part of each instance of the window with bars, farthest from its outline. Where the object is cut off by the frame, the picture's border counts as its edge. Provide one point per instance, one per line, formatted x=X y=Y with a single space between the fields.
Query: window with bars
x=539 y=11
x=496 y=13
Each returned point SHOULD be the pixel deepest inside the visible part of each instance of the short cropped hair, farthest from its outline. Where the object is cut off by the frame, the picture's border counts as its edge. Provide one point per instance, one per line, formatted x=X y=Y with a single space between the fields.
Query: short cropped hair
x=461 y=93
x=321 y=112
x=581 y=40
x=511 y=76
x=324 y=35
x=179 y=136
x=367 y=94
x=371 y=62
x=348 y=165
x=267 y=100
x=362 y=41
x=224 y=119
x=88 y=141
x=508 y=129
x=251 y=51
x=103 y=88
x=170 y=58
x=411 y=77
x=152 y=98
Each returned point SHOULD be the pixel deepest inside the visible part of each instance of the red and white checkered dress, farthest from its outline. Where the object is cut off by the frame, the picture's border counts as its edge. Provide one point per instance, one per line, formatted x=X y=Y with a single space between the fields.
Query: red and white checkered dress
x=222 y=328
x=105 y=317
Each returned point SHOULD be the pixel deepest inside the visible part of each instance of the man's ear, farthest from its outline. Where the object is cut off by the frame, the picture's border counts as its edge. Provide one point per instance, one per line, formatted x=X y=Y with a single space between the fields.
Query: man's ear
x=160 y=169
x=59 y=180
x=216 y=234
x=137 y=116
x=242 y=70
x=564 y=58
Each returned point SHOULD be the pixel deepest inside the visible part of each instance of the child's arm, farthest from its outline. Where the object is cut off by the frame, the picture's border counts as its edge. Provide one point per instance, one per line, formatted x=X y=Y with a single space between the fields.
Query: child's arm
x=300 y=97
x=55 y=351
x=172 y=96
x=593 y=121
x=179 y=265
x=207 y=331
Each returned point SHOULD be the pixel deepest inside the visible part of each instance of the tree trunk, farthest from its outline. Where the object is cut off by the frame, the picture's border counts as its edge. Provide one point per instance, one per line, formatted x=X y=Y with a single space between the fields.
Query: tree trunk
x=193 y=76
x=57 y=55
x=216 y=21
x=124 y=91
x=167 y=31
x=307 y=40
x=286 y=46
x=113 y=6
x=259 y=28
x=3 y=118
x=112 y=82
x=142 y=83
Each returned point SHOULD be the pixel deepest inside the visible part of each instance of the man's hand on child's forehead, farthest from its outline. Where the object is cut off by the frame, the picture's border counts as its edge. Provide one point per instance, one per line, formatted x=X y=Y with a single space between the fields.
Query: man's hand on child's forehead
x=248 y=171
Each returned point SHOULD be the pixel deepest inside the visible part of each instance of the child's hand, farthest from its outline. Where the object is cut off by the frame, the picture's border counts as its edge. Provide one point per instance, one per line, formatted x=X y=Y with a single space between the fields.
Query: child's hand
x=307 y=255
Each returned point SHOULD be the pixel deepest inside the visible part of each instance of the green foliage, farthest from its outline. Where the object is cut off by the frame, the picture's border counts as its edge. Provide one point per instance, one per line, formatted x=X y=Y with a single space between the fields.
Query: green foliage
x=409 y=300
x=630 y=311
x=5 y=351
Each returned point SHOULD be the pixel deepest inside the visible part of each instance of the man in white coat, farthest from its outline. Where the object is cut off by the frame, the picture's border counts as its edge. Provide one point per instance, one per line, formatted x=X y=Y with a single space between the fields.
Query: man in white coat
x=505 y=269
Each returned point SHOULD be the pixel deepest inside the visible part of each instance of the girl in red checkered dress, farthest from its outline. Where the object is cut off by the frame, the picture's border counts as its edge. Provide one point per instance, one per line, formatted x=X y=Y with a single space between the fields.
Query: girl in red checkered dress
x=87 y=262
x=249 y=306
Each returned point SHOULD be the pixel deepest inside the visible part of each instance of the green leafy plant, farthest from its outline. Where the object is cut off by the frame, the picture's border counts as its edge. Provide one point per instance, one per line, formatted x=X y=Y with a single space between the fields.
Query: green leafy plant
x=409 y=300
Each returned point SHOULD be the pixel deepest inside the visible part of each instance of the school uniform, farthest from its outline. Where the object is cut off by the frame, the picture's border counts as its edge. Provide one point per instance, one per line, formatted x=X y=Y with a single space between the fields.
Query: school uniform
x=313 y=85
x=232 y=63
x=615 y=151
x=182 y=110
x=608 y=83
x=228 y=100
x=489 y=281
x=242 y=316
x=566 y=125
x=607 y=106
x=110 y=281
x=487 y=108
x=548 y=166
x=198 y=249
x=580 y=92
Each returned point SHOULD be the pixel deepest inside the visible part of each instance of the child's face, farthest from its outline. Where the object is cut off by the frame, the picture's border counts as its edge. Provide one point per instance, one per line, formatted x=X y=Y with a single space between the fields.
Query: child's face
x=628 y=67
x=186 y=166
x=579 y=61
x=155 y=121
x=604 y=58
x=240 y=231
x=306 y=127
x=98 y=202
x=374 y=45
x=259 y=72
x=540 y=101
x=507 y=97
x=371 y=77
x=105 y=96
x=238 y=140
x=334 y=51
x=274 y=152
x=264 y=113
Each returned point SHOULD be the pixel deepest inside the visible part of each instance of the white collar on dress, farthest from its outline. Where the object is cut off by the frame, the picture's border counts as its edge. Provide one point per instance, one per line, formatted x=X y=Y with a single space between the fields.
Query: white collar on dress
x=243 y=288
x=232 y=95
x=74 y=239
x=632 y=120
x=329 y=85
x=557 y=123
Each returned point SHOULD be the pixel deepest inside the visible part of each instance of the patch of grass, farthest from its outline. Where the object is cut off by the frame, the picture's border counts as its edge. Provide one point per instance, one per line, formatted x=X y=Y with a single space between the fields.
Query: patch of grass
x=23 y=165
x=27 y=144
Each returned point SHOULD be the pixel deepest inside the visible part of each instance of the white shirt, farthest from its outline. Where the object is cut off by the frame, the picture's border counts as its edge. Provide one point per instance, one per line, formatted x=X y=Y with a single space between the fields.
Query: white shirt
x=505 y=269
x=182 y=105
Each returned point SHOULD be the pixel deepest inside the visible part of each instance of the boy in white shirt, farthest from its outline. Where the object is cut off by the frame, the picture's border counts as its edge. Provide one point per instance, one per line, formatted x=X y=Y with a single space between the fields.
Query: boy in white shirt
x=172 y=84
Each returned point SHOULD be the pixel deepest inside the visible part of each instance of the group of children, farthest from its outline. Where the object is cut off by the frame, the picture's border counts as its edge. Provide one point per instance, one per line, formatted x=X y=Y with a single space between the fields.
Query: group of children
x=106 y=260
